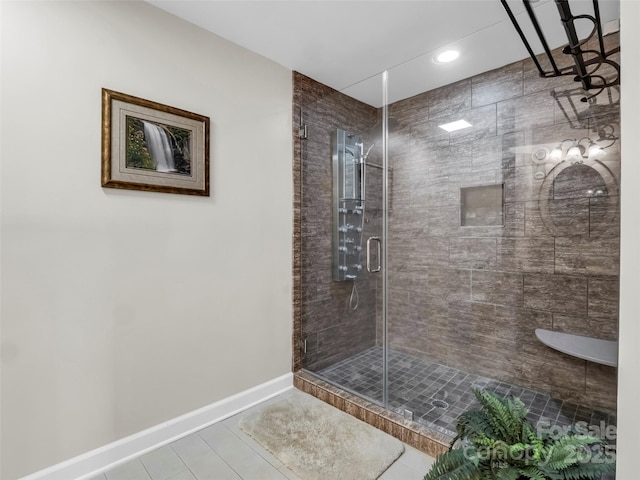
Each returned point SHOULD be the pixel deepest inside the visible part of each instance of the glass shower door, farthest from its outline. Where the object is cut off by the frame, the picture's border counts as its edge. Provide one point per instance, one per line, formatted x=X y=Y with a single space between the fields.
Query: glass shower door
x=341 y=152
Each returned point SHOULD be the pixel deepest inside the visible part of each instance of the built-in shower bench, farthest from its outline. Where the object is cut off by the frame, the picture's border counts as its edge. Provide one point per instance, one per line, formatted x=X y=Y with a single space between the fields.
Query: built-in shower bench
x=595 y=350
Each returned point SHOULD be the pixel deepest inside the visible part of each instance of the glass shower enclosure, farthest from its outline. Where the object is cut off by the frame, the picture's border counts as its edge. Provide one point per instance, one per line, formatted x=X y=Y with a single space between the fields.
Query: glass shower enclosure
x=432 y=259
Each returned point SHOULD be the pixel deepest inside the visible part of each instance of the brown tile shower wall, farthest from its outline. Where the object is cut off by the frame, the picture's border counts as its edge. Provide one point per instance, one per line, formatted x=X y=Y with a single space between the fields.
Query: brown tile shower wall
x=332 y=329
x=472 y=296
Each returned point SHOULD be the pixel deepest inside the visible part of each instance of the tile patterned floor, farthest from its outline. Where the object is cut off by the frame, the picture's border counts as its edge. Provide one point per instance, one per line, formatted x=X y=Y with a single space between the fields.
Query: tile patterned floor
x=224 y=452
x=437 y=394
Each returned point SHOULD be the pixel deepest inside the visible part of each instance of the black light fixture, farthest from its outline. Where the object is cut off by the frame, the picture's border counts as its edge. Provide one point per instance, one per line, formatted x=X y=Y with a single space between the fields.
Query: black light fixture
x=587 y=62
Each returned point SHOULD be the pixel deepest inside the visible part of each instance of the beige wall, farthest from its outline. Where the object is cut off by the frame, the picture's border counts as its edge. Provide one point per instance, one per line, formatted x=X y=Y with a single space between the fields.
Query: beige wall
x=121 y=309
x=629 y=354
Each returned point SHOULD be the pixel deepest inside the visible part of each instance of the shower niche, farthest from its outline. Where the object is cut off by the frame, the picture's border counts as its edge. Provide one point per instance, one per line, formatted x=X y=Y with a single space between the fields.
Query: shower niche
x=348 y=204
x=482 y=206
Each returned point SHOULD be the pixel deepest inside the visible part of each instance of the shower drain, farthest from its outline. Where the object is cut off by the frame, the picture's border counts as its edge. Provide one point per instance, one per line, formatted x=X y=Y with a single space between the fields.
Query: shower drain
x=440 y=404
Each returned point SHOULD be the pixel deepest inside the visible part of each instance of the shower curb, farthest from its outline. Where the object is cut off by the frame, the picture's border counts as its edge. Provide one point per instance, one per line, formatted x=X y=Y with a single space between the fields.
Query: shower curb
x=429 y=441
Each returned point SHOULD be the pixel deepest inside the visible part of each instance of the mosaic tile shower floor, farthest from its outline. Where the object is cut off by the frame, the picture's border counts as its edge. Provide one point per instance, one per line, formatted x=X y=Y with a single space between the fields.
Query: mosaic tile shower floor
x=437 y=394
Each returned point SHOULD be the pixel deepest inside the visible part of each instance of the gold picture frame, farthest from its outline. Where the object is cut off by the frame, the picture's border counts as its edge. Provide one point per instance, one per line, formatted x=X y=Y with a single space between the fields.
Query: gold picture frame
x=153 y=147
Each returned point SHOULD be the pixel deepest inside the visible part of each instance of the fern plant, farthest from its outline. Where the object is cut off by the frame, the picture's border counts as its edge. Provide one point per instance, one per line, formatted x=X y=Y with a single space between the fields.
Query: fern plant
x=499 y=443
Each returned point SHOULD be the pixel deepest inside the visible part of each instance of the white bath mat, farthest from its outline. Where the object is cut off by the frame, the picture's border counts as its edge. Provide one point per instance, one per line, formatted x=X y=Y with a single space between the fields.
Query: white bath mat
x=318 y=441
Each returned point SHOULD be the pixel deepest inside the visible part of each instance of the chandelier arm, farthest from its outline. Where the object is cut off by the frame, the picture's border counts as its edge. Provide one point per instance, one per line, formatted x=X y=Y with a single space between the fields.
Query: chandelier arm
x=523 y=38
x=596 y=13
x=574 y=43
x=543 y=40
x=581 y=71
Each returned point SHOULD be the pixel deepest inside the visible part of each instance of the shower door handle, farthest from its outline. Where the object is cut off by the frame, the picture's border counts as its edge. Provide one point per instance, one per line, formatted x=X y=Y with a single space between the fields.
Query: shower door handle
x=379 y=244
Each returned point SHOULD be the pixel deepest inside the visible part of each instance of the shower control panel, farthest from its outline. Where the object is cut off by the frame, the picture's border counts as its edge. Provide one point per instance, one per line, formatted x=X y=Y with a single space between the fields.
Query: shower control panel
x=348 y=205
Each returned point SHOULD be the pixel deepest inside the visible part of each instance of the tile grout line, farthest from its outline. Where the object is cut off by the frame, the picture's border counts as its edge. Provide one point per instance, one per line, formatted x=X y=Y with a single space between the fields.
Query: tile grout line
x=217 y=454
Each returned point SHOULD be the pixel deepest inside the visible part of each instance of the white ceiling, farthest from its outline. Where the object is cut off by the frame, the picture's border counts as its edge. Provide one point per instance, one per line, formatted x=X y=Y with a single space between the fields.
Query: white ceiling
x=347 y=44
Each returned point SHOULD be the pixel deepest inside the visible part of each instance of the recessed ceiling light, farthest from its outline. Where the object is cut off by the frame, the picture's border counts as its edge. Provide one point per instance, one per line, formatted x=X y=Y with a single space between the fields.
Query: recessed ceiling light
x=446 y=56
x=457 y=125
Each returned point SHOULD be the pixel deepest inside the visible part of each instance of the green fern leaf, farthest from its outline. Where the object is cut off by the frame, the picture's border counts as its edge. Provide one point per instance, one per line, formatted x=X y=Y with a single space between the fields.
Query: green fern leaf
x=532 y=473
x=454 y=465
x=570 y=450
x=588 y=470
x=508 y=473
x=475 y=426
x=506 y=416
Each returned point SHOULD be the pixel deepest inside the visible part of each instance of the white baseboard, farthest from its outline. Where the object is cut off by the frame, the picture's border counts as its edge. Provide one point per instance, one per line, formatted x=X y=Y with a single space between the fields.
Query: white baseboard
x=96 y=461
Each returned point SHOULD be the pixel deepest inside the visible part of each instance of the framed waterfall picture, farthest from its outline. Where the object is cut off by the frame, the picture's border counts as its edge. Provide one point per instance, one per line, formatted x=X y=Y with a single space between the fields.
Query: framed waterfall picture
x=153 y=147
